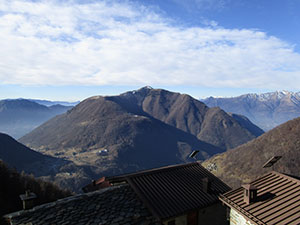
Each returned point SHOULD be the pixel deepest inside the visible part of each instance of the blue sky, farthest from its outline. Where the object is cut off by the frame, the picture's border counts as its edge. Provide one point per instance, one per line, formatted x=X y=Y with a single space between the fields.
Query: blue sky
x=71 y=50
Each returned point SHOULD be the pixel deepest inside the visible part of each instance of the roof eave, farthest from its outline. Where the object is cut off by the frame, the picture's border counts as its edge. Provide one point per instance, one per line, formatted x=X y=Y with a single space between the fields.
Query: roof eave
x=244 y=213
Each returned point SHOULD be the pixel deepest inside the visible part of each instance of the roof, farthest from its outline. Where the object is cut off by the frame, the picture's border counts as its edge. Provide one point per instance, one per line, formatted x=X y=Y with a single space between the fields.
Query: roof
x=278 y=200
x=113 y=205
x=174 y=190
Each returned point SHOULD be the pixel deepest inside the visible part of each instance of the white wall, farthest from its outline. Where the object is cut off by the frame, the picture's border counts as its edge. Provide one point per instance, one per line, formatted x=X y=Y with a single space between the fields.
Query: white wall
x=238 y=219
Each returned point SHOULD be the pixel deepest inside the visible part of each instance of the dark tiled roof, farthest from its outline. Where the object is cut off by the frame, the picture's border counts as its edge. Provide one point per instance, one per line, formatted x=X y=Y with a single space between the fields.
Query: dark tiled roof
x=174 y=190
x=278 y=200
x=113 y=205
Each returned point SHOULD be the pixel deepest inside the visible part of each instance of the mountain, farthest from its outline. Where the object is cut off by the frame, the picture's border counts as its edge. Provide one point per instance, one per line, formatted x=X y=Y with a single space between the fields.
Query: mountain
x=265 y=110
x=20 y=116
x=98 y=117
x=105 y=139
x=244 y=163
x=50 y=168
x=136 y=130
x=101 y=132
x=211 y=125
x=133 y=131
x=51 y=103
x=22 y=158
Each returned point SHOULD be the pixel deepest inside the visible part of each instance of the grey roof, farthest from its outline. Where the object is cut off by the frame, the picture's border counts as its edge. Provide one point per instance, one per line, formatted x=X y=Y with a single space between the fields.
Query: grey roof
x=278 y=200
x=113 y=205
x=174 y=190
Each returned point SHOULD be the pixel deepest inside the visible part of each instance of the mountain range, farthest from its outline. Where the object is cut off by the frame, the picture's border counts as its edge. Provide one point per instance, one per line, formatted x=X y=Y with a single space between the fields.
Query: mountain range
x=266 y=110
x=146 y=128
x=51 y=103
x=20 y=116
x=245 y=163
x=138 y=130
x=91 y=120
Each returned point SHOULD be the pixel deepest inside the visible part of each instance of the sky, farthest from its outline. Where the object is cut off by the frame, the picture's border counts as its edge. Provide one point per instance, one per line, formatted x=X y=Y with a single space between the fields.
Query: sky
x=70 y=50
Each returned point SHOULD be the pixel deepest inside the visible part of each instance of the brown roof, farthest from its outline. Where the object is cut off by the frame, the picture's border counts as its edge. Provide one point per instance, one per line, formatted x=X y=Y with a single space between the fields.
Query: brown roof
x=278 y=200
x=174 y=190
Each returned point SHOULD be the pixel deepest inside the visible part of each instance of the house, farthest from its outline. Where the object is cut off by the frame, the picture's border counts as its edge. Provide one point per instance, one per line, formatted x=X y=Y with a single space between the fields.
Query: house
x=185 y=194
x=271 y=199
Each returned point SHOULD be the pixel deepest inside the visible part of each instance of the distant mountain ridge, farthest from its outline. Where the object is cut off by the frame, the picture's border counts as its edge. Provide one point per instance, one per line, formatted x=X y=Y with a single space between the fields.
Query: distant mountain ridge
x=46 y=102
x=178 y=110
x=20 y=116
x=51 y=103
x=138 y=130
x=100 y=122
x=266 y=110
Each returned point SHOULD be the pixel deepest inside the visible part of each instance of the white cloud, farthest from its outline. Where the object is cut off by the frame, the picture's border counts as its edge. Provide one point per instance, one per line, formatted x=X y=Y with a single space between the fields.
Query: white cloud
x=104 y=43
x=201 y=5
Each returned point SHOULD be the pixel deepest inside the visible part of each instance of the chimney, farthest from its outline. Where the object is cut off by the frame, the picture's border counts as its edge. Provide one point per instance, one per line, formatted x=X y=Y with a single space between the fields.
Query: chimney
x=28 y=199
x=250 y=193
x=206 y=185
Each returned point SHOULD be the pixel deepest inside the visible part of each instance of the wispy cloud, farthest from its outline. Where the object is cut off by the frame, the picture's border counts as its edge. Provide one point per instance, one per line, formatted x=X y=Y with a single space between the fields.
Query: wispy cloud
x=114 y=43
x=192 y=5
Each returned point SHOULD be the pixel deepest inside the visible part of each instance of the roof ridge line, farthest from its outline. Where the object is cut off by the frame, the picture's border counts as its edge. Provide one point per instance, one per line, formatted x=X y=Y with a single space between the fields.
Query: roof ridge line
x=153 y=170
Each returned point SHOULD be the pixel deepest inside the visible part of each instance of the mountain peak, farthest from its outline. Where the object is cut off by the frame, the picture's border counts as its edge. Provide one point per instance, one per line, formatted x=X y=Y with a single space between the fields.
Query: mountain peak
x=267 y=110
x=145 y=89
x=142 y=92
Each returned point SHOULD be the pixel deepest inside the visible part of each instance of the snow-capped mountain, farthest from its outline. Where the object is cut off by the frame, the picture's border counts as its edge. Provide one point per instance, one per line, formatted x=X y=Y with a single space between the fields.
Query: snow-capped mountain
x=266 y=110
